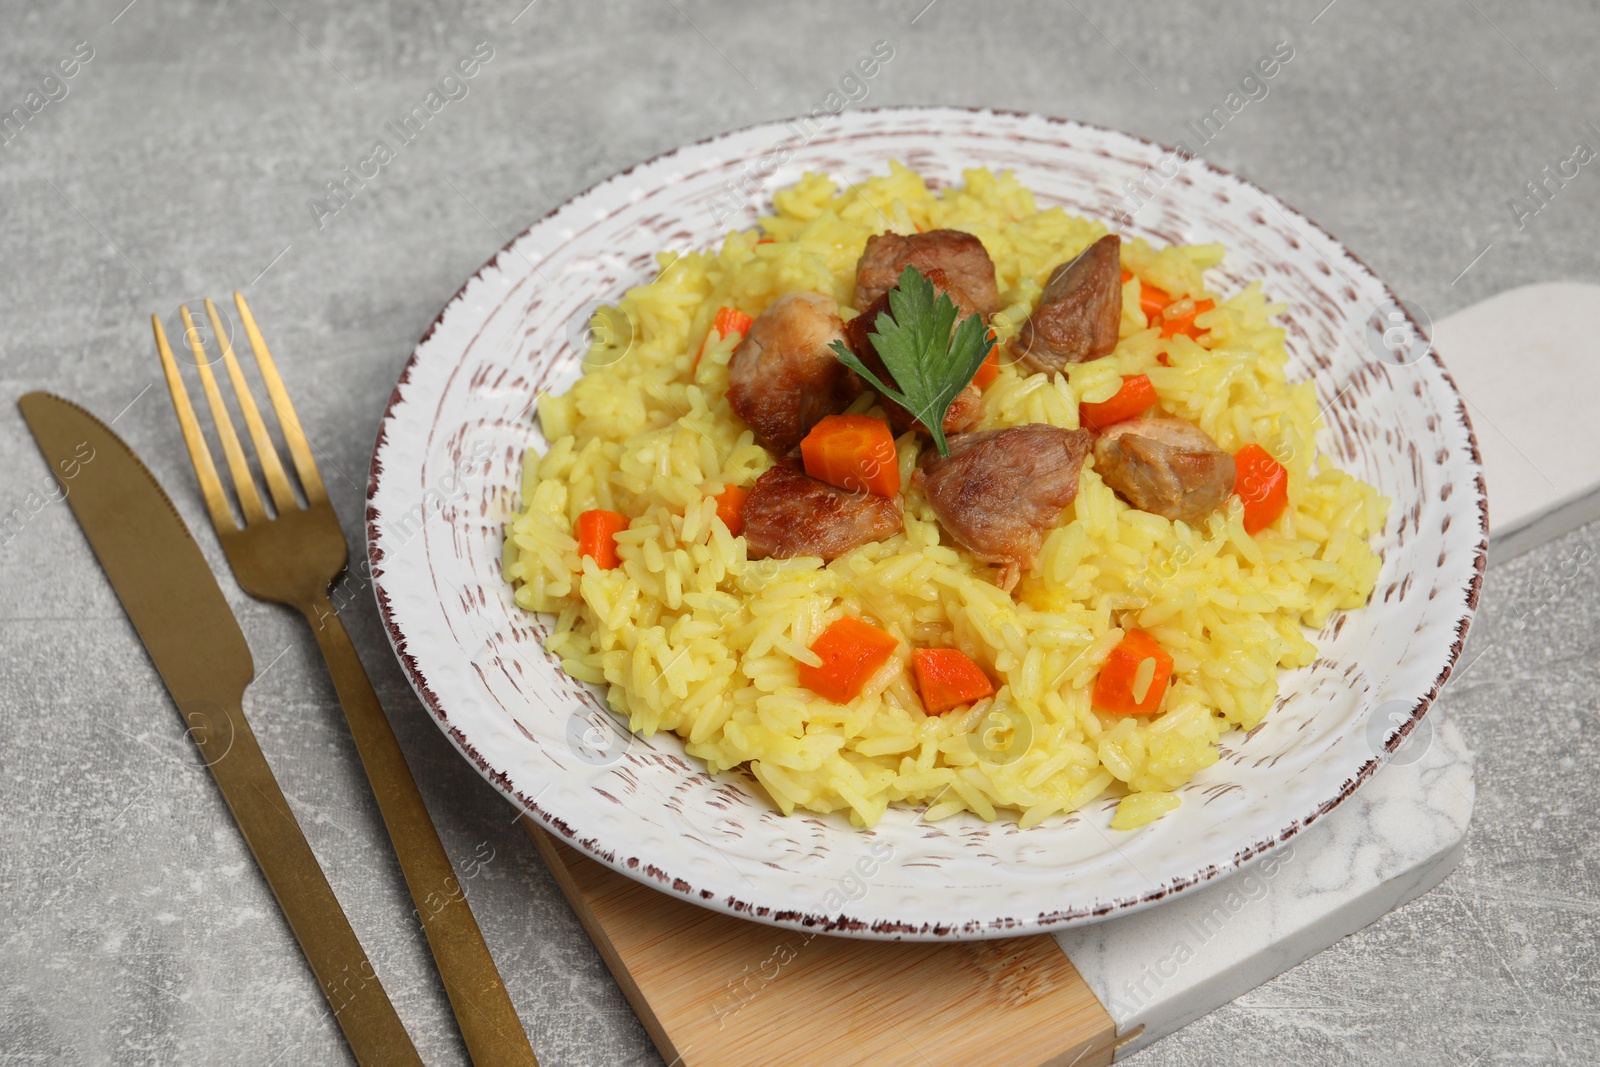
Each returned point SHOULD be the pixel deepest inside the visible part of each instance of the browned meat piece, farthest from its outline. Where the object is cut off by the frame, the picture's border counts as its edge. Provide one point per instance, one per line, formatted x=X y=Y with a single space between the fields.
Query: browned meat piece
x=1167 y=467
x=999 y=490
x=1078 y=315
x=783 y=378
x=965 y=410
x=968 y=270
x=791 y=514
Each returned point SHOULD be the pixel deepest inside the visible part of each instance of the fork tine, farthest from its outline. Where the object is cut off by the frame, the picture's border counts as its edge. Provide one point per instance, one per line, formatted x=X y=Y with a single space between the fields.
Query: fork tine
x=244 y=484
x=266 y=451
x=293 y=435
x=199 y=452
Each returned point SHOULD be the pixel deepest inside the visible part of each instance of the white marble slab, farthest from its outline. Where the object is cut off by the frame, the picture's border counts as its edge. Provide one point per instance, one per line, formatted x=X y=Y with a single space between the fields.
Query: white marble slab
x=1519 y=360
x=1393 y=840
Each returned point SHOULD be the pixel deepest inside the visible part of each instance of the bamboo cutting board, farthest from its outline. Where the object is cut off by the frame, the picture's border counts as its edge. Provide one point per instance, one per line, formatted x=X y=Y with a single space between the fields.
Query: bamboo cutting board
x=716 y=991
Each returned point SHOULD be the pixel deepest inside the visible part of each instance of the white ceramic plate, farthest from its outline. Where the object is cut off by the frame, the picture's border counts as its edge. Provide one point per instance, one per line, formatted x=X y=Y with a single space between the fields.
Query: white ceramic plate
x=445 y=479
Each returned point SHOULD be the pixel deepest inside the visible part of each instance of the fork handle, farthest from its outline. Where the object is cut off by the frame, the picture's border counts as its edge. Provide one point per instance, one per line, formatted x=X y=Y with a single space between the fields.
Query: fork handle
x=483 y=1009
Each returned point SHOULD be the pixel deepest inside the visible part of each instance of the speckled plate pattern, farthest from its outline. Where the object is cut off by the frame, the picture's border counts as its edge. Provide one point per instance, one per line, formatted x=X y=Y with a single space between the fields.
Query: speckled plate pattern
x=446 y=471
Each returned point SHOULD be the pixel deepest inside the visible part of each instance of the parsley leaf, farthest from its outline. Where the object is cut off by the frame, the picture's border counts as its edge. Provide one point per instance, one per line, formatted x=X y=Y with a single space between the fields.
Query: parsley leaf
x=929 y=362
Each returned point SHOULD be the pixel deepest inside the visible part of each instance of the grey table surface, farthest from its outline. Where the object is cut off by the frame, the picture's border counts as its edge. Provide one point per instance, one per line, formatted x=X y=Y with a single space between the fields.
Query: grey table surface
x=178 y=161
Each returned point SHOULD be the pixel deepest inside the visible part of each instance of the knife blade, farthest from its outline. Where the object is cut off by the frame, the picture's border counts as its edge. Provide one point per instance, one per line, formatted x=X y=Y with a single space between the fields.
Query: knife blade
x=175 y=604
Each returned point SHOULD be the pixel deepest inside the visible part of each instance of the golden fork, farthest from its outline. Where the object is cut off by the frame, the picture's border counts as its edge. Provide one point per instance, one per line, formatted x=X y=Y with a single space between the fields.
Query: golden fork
x=293 y=557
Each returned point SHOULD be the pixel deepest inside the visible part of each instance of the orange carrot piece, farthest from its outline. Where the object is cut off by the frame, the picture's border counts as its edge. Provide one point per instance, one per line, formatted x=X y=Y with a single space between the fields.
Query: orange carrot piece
x=1125 y=685
x=1152 y=301
x=727 y=323
x=989 y=369
x=947 y=679
x=854 y=452
x=851 y=652
x=1135 y=397
x=1127 y=275
x=731 y=321
x=730 y=508
x=596 y=532
x=1183 y=322
x=1262 y=484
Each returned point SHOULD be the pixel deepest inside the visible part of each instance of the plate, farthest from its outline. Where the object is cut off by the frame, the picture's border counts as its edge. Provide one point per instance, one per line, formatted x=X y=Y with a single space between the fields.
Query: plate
x=445 y=478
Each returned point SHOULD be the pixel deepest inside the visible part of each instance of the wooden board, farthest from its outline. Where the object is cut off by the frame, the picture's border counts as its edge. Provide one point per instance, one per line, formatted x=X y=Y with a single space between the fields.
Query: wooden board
x=716 y=991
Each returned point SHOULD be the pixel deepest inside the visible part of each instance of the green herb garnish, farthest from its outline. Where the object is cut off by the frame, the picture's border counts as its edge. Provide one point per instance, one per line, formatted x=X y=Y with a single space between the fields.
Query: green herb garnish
x=928 y=355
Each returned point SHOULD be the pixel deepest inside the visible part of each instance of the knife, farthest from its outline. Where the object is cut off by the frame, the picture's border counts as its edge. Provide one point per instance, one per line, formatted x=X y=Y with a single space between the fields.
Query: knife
x=192 y=636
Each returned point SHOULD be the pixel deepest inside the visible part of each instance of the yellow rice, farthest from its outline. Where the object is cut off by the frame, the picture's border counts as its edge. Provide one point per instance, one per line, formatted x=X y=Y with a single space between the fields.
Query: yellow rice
x=688 y=635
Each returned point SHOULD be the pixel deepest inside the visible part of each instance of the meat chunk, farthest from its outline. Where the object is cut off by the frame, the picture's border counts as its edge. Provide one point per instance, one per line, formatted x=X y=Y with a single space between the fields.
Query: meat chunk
x=965 y=410
x=791 y=514
x=783 y=378
x=1078 y=315
x=1167 y=467
x=1000 y=490
x=968 y=270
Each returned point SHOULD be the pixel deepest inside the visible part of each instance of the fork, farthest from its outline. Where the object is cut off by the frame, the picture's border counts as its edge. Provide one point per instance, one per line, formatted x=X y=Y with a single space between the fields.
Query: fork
x=292 y=556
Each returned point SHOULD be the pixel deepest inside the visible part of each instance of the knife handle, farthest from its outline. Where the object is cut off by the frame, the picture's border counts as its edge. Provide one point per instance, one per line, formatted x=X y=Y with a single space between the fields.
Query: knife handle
x=357 y=998
x=483 y=1009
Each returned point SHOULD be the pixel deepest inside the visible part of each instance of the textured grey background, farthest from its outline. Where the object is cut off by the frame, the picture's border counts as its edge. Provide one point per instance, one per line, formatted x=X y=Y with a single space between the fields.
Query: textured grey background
x=135 y=927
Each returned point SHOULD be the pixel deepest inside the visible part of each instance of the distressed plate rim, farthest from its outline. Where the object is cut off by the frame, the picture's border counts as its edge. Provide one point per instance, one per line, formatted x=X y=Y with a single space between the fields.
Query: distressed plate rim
x=667 y=872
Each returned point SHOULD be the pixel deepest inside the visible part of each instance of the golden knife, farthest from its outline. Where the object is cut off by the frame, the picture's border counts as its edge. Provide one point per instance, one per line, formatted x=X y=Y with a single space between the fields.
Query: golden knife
x=192 y=636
